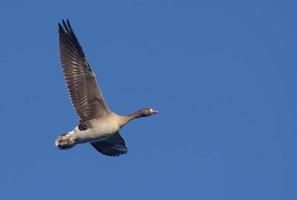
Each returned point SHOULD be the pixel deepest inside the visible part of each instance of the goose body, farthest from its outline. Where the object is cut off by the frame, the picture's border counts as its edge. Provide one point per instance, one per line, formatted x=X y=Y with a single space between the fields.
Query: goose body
x=98 y=125
x=100 y=128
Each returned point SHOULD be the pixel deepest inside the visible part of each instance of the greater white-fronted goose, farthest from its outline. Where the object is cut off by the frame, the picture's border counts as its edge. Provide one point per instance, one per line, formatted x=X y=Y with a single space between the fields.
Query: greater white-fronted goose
x=98 y=125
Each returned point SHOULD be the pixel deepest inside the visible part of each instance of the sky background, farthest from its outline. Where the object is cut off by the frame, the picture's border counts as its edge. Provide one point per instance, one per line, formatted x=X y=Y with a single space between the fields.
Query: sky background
x=221 y=73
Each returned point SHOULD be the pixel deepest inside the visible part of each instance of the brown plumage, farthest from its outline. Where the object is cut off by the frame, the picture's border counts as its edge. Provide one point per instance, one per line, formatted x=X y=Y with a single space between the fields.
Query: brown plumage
x=98 y=124
x=80 y=79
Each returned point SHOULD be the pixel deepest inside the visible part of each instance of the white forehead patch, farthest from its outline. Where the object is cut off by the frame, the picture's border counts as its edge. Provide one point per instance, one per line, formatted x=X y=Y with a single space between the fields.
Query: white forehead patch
x=151 y=110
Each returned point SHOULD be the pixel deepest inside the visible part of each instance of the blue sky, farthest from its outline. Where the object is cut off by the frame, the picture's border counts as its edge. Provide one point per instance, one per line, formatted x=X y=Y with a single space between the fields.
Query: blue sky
x=221 y=73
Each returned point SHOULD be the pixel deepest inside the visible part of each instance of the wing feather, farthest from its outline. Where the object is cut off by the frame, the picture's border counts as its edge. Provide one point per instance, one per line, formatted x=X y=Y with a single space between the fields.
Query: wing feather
x=80 y=79
x=111 y=146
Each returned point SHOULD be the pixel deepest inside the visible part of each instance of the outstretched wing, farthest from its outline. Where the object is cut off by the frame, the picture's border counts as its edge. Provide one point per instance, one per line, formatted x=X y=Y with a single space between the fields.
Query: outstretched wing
x=79 y=76
x=111 y=146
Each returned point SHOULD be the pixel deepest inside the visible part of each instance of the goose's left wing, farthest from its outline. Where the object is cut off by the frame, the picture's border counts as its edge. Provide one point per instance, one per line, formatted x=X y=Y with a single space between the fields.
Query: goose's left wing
x=111 y=146
x=79 y=76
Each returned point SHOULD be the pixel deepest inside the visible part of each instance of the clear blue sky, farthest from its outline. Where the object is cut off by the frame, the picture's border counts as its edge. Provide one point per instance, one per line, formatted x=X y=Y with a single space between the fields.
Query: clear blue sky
x=221 y=73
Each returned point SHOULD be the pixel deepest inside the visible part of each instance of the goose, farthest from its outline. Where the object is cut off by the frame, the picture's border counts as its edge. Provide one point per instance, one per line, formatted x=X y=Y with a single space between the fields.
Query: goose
x=98 y=125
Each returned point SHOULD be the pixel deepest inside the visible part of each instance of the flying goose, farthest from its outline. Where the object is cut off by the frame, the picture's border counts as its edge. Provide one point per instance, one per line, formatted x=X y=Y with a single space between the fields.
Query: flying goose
x=98 y=125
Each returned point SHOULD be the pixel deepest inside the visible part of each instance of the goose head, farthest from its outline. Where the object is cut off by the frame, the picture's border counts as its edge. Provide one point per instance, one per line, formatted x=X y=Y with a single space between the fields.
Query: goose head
x=145 y=112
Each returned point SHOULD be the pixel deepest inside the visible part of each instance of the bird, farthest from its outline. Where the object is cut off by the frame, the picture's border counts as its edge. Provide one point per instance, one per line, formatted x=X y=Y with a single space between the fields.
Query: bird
x=97 y=125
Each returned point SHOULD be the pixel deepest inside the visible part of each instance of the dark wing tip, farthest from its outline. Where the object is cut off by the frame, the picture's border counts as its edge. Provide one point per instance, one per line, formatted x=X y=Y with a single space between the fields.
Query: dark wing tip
x=66 y=32
x=61 y=29
x=110 y=149
x=68 y=22
x=65 y=26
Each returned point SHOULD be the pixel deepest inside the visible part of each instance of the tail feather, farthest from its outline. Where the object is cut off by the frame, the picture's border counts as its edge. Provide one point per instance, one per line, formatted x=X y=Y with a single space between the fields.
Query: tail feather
x=65 y=141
